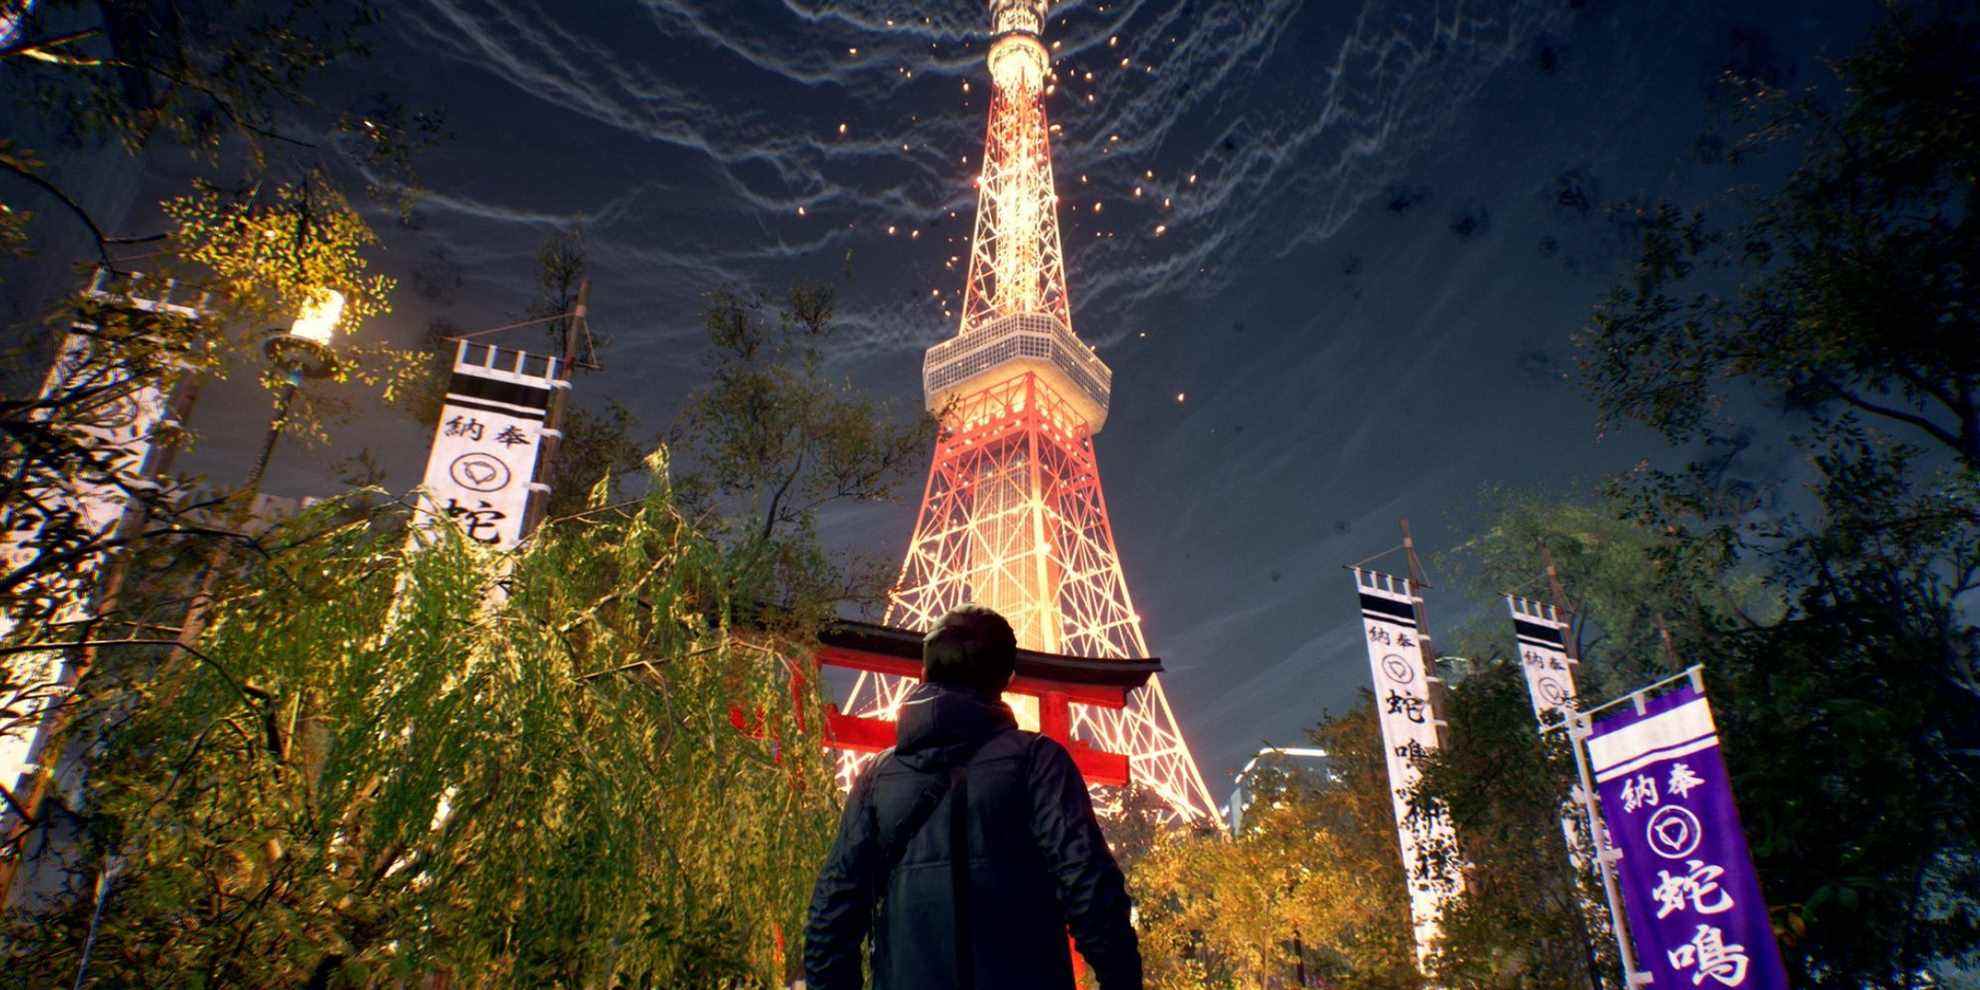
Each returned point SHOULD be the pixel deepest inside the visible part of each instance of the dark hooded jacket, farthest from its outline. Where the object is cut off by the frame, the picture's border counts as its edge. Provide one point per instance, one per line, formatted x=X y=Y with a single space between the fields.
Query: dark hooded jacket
x=1037 y=863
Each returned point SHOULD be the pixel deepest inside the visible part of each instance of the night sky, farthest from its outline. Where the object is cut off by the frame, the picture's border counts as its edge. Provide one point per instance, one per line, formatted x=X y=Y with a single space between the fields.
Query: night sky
x=1384 y=222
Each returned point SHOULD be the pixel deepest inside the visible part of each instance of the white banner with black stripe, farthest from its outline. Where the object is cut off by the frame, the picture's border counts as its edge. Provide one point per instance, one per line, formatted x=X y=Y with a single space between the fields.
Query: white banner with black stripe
x=483 y=465
x=1403 y=704
x=1541 y=633
x=115 y=415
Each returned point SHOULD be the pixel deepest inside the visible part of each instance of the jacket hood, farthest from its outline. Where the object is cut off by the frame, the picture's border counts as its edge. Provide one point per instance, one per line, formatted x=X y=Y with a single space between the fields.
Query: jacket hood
x=936 y=721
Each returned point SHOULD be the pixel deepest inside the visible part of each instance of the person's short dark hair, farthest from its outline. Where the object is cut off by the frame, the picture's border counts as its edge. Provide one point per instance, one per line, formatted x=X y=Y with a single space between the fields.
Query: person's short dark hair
x=972 y=647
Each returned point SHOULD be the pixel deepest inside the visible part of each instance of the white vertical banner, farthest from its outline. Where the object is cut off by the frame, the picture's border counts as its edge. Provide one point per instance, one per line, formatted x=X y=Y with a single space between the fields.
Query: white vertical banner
x=113 y=415
x=1409 y=734
x=1541 y=632
x=483 y=464
x=1542 y=636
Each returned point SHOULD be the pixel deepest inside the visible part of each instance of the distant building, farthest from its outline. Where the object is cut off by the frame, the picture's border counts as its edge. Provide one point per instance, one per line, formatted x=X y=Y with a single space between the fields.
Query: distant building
x=1310 y=759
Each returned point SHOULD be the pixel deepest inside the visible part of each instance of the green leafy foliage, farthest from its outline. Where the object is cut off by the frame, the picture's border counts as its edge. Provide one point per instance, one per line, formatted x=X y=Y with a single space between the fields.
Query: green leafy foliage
x=377 y=767
x=773 y=438
x=598 y=447
x=1850 y=288
x=1848 y=740
x=1845 y=296
x=232 y=82
x=1524 y=919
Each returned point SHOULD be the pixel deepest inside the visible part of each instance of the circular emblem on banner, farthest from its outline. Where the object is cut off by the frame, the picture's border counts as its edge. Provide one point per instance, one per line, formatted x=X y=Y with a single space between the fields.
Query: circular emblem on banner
x=1397 y=669
x=1673 y=832
x=1551 y=691
x=479 y=472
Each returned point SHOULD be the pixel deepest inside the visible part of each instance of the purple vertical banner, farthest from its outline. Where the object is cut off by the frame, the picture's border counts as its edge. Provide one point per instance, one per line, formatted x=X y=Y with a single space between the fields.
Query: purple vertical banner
x=1689 y=891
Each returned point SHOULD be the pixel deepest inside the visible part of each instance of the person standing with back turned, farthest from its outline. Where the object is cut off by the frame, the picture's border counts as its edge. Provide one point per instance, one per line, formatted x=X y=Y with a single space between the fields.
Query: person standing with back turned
x=969 y=849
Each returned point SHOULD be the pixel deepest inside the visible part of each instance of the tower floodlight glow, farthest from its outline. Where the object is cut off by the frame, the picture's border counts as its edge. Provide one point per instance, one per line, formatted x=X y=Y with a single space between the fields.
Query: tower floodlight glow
x=1013 y=516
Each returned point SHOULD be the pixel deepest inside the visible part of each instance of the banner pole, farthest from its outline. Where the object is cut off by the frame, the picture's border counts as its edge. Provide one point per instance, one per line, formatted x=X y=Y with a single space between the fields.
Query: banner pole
x=537 y=504
x=1558 y=592
x=1578 y=732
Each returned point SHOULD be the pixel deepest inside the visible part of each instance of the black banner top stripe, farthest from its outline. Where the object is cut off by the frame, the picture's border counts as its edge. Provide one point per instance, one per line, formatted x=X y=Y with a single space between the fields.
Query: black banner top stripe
x=489 y=407
x=1533 y=630
x=496 y=390
x=1389 y=608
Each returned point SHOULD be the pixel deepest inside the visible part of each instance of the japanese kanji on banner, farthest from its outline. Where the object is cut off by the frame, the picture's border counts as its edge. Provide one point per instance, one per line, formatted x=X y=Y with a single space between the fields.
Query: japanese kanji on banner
x=1689 y=891
x=1409 y=733
x=483 y=463
x=1542 y=637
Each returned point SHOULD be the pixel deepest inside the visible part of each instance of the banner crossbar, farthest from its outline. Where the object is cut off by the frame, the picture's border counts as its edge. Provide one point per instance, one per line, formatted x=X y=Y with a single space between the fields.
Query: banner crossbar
x=1694 y=673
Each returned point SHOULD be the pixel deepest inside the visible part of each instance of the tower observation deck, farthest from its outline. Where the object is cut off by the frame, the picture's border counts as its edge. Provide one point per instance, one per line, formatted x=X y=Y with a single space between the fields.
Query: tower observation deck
x=1013 y=516
x=1015 y=310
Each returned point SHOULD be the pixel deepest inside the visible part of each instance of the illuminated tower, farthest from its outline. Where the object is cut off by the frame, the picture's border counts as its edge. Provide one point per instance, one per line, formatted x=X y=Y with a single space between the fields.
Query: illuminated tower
x=1013 y=516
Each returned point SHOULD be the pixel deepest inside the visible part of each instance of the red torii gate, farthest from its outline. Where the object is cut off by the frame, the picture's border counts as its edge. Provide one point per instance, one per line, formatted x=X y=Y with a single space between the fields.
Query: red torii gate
x=1055 y=680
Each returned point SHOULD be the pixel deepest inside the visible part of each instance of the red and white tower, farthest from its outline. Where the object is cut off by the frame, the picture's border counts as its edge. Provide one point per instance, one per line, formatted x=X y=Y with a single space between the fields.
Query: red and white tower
x=1014 y=517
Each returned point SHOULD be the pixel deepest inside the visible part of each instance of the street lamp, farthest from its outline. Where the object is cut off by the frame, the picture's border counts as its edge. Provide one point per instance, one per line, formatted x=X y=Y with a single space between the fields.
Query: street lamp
x=315 y=325
x=300 y=352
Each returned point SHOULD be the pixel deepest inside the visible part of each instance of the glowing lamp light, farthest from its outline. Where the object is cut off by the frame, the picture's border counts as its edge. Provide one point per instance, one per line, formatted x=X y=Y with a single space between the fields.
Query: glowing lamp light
x=317 y=321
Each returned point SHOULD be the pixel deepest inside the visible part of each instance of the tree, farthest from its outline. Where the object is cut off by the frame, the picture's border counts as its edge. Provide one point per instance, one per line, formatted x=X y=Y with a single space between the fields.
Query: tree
x=772 y=438
x=228 y=80
x=262 y=226
x=1847 y=753
x=370 y=770
x=1313 y=881
x=372 y=766
x=1846 y=296
x=267 y=229
x=259 y=258
x=598 y=448
x=562 y=263
x=1853 y=283
x=1522 y=920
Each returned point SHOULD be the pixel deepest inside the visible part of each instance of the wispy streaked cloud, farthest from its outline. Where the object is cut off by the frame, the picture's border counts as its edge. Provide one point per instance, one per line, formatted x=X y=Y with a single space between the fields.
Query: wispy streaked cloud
x=1249 y=129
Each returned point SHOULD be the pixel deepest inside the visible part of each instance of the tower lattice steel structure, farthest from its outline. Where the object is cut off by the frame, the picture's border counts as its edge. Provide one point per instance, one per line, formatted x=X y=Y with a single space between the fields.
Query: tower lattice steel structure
x=1013 y=516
